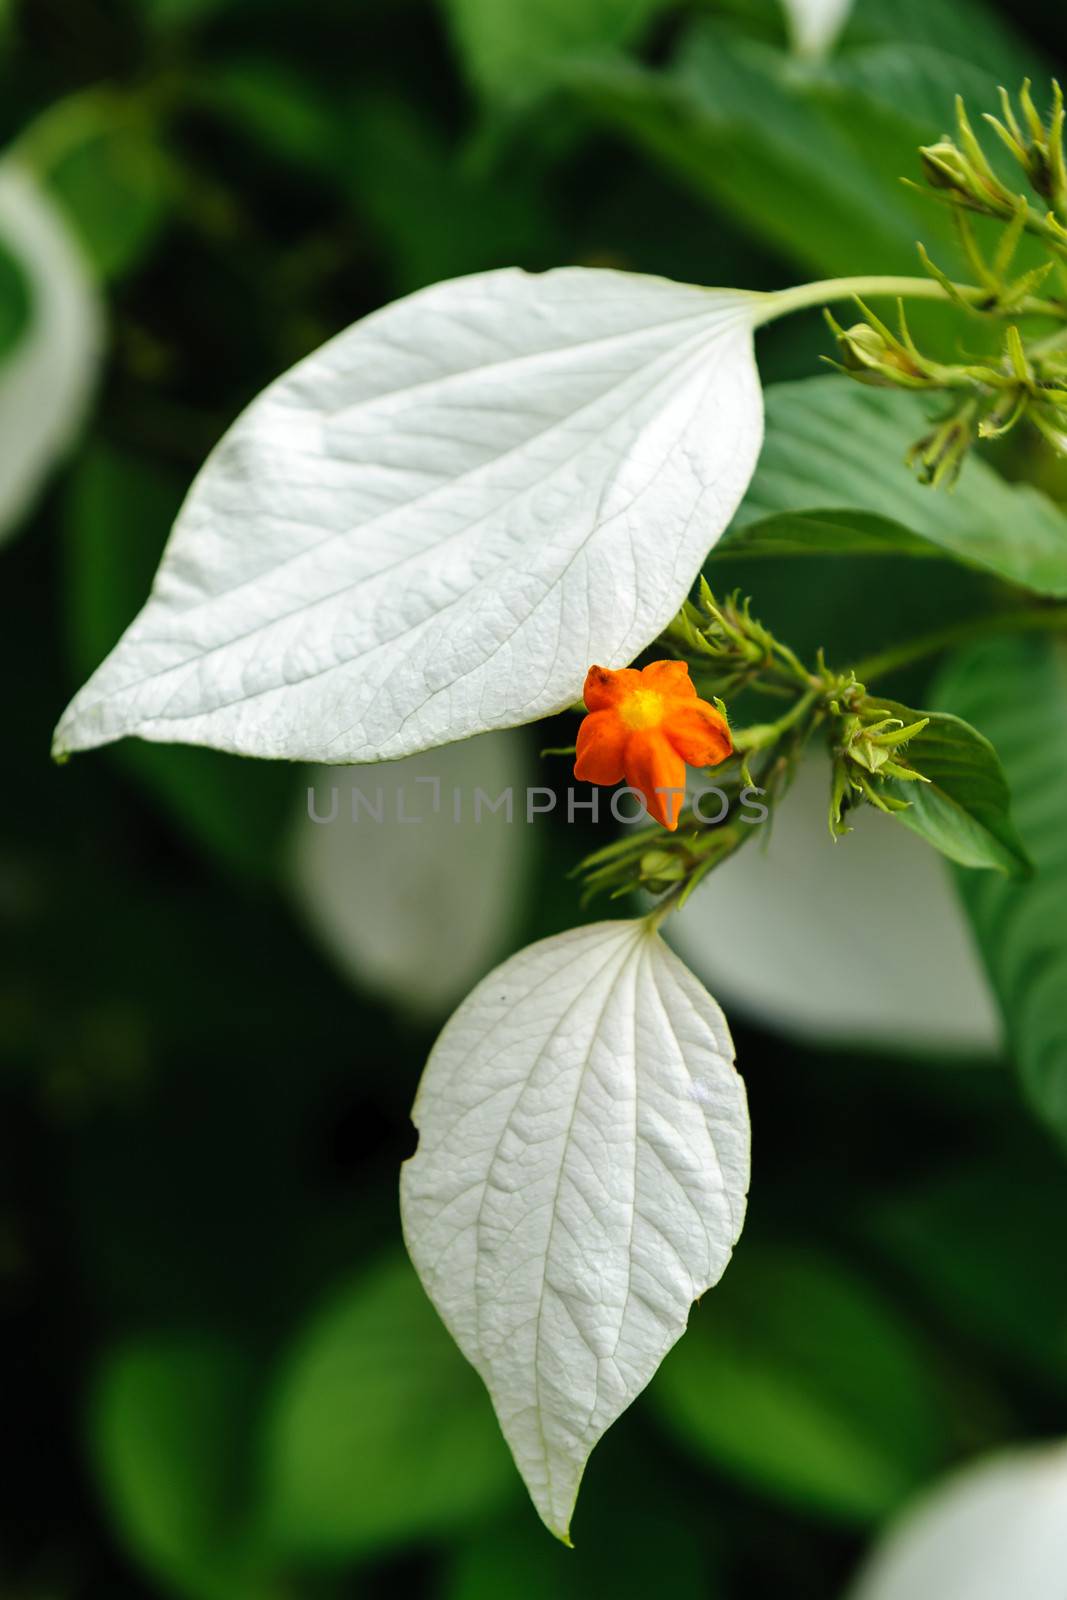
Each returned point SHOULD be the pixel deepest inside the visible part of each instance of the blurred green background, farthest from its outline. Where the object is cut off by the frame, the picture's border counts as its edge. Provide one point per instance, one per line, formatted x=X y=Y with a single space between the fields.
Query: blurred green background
x=223 y=1381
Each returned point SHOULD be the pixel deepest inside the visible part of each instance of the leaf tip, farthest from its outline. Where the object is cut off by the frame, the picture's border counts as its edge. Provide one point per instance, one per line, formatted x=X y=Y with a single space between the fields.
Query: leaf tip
x=60 y=752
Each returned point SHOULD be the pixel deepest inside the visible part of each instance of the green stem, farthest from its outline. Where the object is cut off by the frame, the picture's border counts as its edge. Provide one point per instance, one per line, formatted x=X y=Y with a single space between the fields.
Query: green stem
x=804 y=295
x=1037 y=619
x=795 y=671
x=762 y=734
x=662 y=909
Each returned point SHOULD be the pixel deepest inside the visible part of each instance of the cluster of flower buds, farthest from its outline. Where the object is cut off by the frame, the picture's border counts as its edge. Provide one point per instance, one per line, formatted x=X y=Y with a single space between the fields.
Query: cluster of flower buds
x=1035 y=145
x=867 y=736
x=724 y=644
x=1035 y=387
x=867 y=739
x=990 y=394
x=657 y=862
x=990 y=399
x=958 y=170
x=995 y=293
x=939 y=455
x=871 y=352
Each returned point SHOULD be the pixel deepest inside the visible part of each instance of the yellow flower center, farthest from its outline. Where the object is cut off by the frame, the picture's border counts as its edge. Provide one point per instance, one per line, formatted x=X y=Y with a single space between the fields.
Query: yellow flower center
x=642 y=709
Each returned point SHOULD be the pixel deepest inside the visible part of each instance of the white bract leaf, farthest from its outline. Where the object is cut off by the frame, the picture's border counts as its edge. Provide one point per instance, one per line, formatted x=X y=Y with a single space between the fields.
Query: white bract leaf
x=815 y=24
x=432 y=526
x=411 y=872
x=996 y=1531
x=47 y=377
x=580 y=1178
x=862 y=941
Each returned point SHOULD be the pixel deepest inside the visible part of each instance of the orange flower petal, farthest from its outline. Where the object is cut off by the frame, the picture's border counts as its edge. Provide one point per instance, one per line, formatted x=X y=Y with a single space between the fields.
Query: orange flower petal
x=670 y=678
x=601 y=746
x=699 y=734
x=652 y=765
x=604 y=688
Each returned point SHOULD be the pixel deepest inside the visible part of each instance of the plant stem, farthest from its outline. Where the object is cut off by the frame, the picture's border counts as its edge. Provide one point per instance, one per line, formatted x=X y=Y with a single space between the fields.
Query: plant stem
x=804 y=295
x=662 y=909
x=1036 y=619
x=763 y=734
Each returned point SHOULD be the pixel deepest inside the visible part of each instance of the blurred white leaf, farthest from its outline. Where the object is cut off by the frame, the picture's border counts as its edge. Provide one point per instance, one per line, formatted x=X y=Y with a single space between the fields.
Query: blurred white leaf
x=996 y=1531
x=419 y=904
x=47 y=377
x=581 y=1177
x=862 y=941
x=433 y=525
x=815 y=24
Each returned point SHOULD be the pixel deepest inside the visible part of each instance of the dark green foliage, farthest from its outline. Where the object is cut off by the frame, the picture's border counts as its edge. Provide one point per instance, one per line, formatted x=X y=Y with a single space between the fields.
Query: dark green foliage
x=223 y=1383
x=1016 y=692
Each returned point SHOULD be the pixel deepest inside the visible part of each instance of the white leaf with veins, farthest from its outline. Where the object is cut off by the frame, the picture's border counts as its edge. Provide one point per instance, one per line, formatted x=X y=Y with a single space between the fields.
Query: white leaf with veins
x=995 y=1531
x=580 y=1179
x=47 y=377
x=433 y=525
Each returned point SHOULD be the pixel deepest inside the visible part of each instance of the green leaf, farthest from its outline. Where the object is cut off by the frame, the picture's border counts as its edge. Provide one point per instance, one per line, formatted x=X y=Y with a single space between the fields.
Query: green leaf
x=120 y=507
x=973 y=29
x=757 y=151
x=16 y=301
x=379 y=1429
x=907 y=83
x=1015 y=690
x=437 y=214
x=801 y=1381
x=98 y=156
x=822 y=533
x=807 y=161
x=833 y=446
x=631 y=1521
x=511 y=50
x=965 y=809
x=810 y=157
x=170 y=1425
x=279 y=108
x=1010 y=1293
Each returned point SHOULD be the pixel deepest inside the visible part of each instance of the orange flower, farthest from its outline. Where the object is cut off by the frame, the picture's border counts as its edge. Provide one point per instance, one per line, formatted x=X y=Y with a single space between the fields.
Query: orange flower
x=644 y=727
